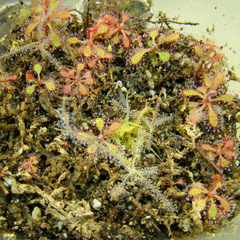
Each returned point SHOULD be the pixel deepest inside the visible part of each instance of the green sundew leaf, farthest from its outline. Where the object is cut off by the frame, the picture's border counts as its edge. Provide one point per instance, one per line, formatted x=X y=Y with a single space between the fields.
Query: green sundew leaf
x=225 y=204
x=109 y=47
x=206 y=147
x=212 y=116
x=201 y=204
x=53 y=4
x=137 y=56
x=100 y=51
x=153 y=34
x=100 y=124
x=3 y=110
x=92 y=149
x=73 y=40
x=212 y=211
x=87 y=51
x=172 y=37
x=30 y=90
x=223 y=162
x=186 y=71
x=164 y=56
x=37 y=68
x=125 y=128
x=224 y=98
x=195 y=191
x=50 y=85
x=23 y=11
x=198 y=51
x=9 y=96
x=56 y=39
x=218 y=80
x=207 y=81
x=190 y=92
x=102 y=29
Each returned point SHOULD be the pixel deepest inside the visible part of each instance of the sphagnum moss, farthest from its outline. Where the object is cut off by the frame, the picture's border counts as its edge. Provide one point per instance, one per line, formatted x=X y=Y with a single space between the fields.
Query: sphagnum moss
x=132 y=128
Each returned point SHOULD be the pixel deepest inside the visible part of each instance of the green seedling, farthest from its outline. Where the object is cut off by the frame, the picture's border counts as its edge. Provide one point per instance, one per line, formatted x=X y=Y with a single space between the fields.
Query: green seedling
x=154 y=46
x=38 y=82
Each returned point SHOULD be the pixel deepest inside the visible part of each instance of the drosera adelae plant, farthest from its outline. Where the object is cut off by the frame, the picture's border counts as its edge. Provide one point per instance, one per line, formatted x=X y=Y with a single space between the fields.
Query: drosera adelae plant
x=207 y=96
x=211 y=201
x=96 y=144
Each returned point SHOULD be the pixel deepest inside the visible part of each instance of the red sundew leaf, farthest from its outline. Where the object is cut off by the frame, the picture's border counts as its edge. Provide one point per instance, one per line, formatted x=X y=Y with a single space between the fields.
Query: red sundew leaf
x=224 y=98
x=89 y=80
x=116 y=39
x=229 y=143
x=30 y=77
x=216 y=182
x=102 y=29
x=92 y=62
x=137 y=56
x=212 y=116
x=218 y=80
x=110 y=19
x=172 y=37
x=126 y=41
x=65 y=74
x=83 y=90
x=14 y=77
x=112 y=128
x=212 y=211
x=87 y=51
x=63 y=14
x=125 y=17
